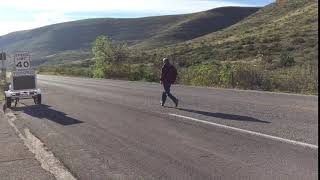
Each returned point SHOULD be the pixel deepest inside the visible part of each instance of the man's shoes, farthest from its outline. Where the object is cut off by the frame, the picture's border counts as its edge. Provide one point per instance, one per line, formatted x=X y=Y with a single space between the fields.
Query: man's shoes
x=162 y=104
x=176 y=102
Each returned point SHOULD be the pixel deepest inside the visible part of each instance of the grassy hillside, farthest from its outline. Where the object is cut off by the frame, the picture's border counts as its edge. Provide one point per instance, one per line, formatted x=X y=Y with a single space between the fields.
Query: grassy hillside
x=274 y=49
x=197 y=25
x=74 y=38
x=291 y=27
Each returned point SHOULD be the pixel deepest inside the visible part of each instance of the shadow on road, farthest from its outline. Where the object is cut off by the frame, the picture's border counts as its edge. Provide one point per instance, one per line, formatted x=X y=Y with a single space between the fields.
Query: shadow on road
x=224 y=116
x=45 y=112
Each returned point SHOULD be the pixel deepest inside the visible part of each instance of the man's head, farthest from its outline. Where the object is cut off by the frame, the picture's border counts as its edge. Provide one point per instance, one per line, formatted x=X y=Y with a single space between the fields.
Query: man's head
x=165 y=61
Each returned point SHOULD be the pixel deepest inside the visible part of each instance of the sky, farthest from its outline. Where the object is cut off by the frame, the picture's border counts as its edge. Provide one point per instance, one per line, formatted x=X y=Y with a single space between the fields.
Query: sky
x=16 y=15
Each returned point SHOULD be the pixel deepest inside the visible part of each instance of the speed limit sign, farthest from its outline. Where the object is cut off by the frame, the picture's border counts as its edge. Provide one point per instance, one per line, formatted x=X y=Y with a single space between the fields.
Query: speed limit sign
x=22 y=60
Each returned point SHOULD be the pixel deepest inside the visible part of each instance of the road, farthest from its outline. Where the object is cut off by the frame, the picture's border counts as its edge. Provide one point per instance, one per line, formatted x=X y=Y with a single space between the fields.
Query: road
x=109 y=129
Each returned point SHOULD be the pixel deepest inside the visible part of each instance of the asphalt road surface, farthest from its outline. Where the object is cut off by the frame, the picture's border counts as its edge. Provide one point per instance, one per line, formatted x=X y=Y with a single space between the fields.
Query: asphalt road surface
x=106 y=129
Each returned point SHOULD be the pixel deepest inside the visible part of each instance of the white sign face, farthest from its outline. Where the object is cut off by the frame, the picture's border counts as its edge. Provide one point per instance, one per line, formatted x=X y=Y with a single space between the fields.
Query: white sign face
x=22 y=60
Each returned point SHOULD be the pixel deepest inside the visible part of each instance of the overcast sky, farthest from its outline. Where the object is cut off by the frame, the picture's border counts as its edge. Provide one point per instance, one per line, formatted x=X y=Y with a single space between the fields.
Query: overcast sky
x=18 y=15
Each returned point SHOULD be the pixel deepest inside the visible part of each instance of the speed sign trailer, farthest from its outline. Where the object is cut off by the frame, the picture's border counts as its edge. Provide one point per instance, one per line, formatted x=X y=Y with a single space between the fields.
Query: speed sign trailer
x=23 y=81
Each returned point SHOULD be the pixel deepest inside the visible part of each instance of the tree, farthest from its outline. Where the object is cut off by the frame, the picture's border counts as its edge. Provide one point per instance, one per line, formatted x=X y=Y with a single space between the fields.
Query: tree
x=107 y=54
x=102 y=51
x=120 y=53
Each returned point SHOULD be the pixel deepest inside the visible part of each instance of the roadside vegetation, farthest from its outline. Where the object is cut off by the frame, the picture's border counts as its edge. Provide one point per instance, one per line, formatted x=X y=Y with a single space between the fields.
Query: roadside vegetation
x=276 y=49
x=4 y=85
x=117 y=61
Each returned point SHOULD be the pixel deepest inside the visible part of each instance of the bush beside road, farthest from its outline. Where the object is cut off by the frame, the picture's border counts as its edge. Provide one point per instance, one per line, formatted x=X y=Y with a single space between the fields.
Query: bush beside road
x=250 y=76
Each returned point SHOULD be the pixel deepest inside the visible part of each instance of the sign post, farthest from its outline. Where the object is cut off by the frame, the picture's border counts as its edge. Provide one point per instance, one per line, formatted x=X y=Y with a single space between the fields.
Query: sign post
x=3 y=58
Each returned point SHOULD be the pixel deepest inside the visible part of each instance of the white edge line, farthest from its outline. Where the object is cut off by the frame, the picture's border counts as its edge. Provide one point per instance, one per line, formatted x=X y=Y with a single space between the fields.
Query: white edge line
x=45 y=157
x=249 y=132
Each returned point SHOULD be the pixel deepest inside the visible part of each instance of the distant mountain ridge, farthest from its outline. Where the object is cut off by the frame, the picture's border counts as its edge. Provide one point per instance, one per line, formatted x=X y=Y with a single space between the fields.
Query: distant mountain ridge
x=72 y=40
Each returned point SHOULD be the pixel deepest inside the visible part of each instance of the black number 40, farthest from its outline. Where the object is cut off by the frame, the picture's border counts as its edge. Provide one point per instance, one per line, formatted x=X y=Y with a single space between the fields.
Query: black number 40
x=25 y=64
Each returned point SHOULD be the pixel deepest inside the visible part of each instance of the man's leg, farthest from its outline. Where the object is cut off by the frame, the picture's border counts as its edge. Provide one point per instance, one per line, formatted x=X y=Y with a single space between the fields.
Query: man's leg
x=15 y=104
x=164 y=98
x=167 y=89
x=164 y=94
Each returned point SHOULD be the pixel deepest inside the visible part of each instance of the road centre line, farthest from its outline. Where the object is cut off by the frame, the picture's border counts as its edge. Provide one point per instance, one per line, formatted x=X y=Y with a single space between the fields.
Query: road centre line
x=314 y=147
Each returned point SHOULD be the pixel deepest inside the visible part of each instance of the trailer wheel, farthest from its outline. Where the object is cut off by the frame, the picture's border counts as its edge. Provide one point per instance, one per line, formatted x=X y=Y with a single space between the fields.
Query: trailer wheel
x=38 y=99
x=8 y=102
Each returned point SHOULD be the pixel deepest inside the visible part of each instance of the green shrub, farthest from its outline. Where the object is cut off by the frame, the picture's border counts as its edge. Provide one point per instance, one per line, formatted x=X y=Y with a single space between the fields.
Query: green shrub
x=205 y=75
x=286 y=60
x=296 y=79
x=248 y=76
x=225 y=75
x=151 y=75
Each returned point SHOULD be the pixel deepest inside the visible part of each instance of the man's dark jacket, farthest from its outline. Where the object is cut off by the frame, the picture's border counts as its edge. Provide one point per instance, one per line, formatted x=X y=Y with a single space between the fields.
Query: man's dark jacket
x=168 y=73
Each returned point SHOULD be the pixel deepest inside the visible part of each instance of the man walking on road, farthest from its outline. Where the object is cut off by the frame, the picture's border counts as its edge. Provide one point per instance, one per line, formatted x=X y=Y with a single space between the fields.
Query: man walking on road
x=168 y=77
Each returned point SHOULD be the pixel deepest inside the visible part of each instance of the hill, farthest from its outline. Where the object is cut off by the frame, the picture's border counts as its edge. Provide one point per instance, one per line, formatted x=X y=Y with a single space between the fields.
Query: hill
x=197 y=25
x=285 y=26
x=274 y=49
x=73 y=39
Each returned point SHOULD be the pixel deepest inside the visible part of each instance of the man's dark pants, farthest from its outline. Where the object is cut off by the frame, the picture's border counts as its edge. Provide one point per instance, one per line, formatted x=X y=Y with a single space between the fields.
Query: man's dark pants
x=166 y=93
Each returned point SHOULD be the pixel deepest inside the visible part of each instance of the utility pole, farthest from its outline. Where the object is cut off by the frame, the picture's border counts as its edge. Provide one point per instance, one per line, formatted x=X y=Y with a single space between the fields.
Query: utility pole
x=3 y=58
x=3 y=78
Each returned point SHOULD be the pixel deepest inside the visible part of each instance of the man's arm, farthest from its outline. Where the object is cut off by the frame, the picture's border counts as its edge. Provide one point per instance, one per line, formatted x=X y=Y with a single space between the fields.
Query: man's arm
x=162 y=75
